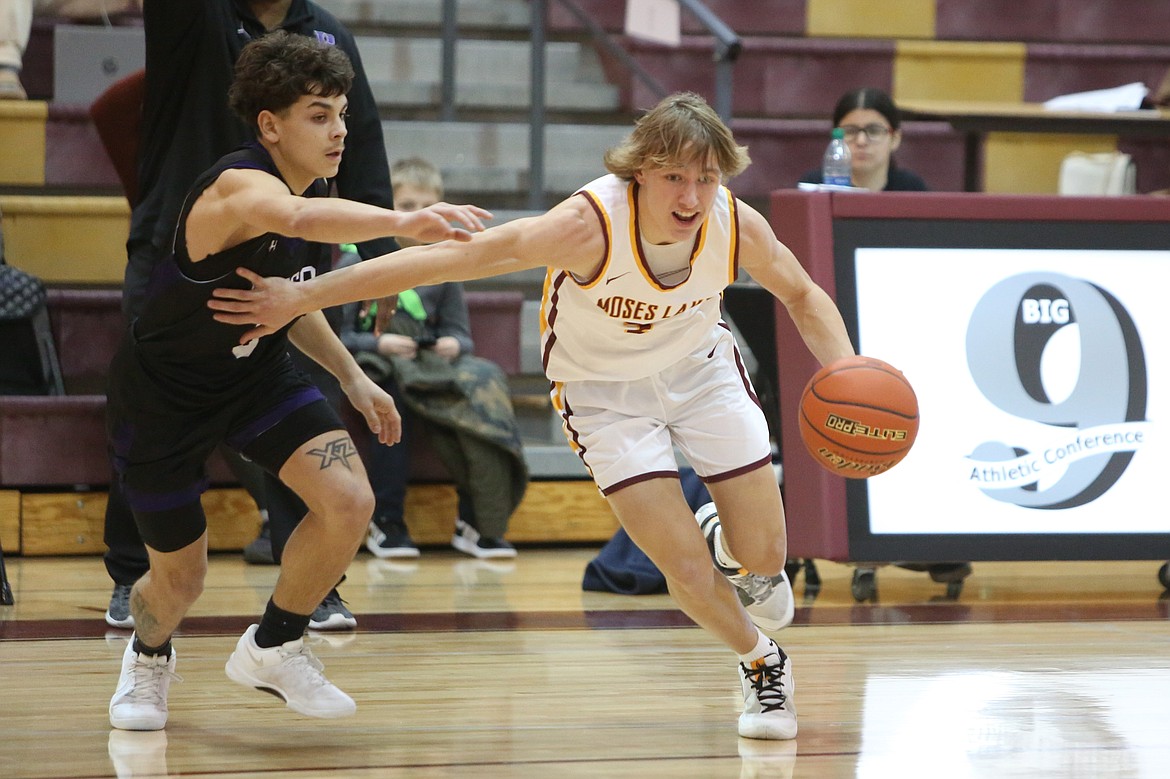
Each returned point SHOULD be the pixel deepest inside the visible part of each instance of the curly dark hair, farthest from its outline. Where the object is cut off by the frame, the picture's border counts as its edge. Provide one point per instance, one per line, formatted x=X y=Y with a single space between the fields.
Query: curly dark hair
x=275 y=71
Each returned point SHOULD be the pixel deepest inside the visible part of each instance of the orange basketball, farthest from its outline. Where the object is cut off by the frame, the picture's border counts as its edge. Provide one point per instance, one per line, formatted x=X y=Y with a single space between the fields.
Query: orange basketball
x=858 y=417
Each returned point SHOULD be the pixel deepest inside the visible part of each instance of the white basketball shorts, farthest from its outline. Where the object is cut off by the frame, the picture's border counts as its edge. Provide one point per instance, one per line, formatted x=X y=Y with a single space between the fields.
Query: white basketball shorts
x=626 y=431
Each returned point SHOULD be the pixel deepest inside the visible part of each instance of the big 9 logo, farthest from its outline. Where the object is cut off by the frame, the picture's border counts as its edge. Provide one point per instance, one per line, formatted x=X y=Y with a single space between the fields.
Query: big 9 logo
x=1011 y=328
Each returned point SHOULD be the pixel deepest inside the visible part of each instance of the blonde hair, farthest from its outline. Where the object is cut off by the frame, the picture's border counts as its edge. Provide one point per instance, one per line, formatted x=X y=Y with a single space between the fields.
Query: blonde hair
x=417 y=172
x=680 y=129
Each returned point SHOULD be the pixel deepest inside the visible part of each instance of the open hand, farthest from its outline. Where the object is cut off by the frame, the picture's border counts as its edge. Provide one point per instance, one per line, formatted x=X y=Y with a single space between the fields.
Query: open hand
x=269 y=305
x=440 y=222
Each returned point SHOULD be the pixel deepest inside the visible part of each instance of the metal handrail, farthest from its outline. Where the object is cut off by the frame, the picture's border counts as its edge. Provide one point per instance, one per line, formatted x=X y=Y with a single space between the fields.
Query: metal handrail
x=447 y=83
x=727 y=49
x=536 y=106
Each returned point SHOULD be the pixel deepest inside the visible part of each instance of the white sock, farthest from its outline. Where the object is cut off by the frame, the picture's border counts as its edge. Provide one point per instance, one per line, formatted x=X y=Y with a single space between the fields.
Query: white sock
x=764 y=646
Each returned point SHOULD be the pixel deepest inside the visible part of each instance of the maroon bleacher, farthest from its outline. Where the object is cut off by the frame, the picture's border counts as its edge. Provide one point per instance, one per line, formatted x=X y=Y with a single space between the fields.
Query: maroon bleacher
x=1052 y=69
x=778 y=78
x=74 y=155
x=1068 y=21
x=759 y=17
x=54 y=441
x=1058 y=21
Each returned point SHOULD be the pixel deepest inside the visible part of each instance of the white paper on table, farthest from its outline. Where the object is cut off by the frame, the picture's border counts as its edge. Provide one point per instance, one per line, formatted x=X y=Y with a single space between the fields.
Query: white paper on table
x=810 y=187
x=654 y=20
x=1127 y=97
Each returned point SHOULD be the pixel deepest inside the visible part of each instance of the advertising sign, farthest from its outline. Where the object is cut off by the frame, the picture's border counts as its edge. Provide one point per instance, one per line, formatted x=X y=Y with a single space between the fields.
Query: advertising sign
x=1043 y=380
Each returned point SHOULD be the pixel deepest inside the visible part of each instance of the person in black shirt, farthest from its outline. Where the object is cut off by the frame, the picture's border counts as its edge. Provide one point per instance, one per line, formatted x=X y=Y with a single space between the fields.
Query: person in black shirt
x=191 y=49
x=182 y=383
x=873 y=130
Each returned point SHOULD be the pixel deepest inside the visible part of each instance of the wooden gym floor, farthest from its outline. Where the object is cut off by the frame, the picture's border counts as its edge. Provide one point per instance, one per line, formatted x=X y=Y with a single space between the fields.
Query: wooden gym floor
x=468 y=669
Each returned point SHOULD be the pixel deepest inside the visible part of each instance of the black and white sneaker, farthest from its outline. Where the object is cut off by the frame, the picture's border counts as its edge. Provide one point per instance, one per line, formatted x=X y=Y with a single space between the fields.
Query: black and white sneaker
x=392 y=542
x=118 y=614
x=468 y=540
x=332 y=614
x=259 y=552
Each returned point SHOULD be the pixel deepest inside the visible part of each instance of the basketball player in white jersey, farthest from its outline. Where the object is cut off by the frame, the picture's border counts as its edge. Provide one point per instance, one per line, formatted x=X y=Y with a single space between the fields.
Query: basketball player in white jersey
x=641 y=362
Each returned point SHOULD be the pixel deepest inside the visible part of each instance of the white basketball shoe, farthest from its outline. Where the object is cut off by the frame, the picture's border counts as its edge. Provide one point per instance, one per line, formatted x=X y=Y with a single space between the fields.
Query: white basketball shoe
x=768 y=709
x=291 y=672
x=768 y=599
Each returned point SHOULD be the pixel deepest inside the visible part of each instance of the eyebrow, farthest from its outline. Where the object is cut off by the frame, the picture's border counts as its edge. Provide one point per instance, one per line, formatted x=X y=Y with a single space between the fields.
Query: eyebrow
x=678 y=167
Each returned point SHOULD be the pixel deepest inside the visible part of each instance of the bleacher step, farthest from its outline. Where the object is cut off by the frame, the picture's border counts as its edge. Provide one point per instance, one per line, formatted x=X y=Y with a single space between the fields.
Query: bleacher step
x=471 y=96
x=428 y=14
x=70 y=523
x=22 y=153
x=554 y=461
x=489 y=75
x=492 y=158
x=67 y=238
x=476 y=61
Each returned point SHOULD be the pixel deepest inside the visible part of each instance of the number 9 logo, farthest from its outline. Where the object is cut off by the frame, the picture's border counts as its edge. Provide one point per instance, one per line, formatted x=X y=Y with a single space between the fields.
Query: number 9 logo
x=1010 y=329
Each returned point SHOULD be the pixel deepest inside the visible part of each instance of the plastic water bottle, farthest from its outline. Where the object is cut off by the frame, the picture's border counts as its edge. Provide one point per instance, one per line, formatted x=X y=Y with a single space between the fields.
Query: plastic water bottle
x=837 y=166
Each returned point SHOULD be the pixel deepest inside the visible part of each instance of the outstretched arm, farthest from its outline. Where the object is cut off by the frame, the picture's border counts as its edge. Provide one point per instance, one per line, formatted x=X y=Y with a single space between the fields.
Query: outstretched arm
x=242 y=204
x=569 y=236
x=313 y=336
x=776 y=268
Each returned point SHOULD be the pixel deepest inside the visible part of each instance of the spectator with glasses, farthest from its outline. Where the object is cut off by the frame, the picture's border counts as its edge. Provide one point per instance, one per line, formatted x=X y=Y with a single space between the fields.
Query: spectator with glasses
x=872 y=126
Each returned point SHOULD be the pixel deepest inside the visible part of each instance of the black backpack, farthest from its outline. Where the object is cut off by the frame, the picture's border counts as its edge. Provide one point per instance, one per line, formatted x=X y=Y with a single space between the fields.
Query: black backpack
x=28 y=359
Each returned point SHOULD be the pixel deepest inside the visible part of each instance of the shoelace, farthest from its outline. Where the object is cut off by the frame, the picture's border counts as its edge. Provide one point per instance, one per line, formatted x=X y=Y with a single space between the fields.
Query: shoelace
x=147 y=678
x=313 y=669
x=767 y=683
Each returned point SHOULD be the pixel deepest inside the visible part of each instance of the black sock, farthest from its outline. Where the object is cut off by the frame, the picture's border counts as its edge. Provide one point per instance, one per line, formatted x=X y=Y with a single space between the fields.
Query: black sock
x=278 y=626
x=153 y=651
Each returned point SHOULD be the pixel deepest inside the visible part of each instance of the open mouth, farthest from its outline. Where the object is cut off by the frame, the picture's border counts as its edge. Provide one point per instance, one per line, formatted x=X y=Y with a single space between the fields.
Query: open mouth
x=686 y=219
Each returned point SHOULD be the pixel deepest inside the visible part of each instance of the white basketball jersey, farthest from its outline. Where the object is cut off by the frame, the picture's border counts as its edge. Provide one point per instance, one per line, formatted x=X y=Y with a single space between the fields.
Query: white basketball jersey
x=624 y=323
